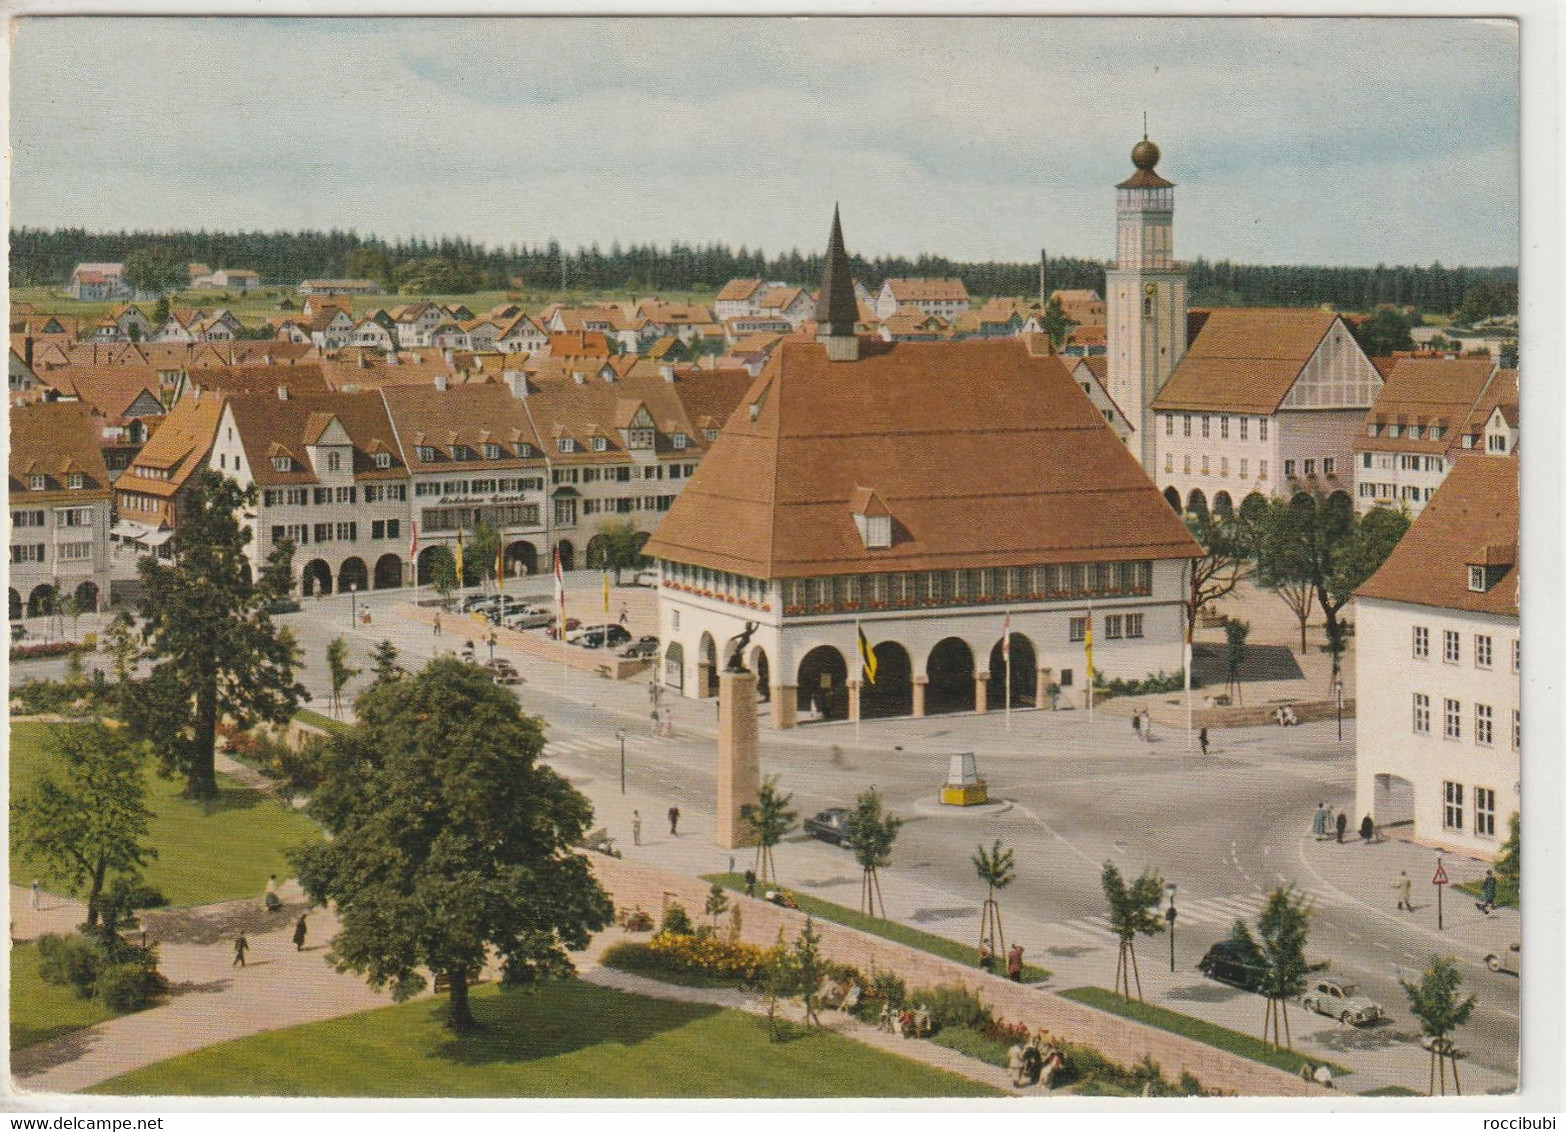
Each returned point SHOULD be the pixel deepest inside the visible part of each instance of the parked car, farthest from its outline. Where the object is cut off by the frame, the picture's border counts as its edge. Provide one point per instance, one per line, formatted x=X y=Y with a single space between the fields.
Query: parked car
x=553 y=632
x=645 y=578
x=528 y=619
x=477 y=602
x=607 y=635
x=644 y=648
x=830 y=826
x=1228 y=964
x=1508 y=962
x=1341 y=1000
x=283 y=605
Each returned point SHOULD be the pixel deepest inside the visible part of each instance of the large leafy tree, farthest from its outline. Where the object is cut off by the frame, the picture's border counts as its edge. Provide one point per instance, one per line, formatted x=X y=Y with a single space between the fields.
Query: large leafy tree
x=1385 y=331
x=1055 y=323
x=383 y=663
x=339 y=671
x=1434 y=1001
x=449 y=840
x=1227 y=540
x=770 y=821
x=85 y=821
x=1282 y=927
x=154 y=268
x=871 y=833
x=215 y=651
x=622 y=547
x=1133 y=911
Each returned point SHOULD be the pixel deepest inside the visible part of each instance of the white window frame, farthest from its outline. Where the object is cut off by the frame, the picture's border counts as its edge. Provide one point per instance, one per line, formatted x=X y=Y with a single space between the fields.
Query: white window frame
x=1421 y=713
x=1421 y=642
x=1452 y=806
x=1483 y=650
x=1484 y=725
x=1452 y=719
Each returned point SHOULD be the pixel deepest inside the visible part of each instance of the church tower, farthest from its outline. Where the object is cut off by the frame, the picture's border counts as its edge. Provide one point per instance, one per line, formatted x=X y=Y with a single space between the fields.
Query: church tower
x=837 y=310
x=1146 y=299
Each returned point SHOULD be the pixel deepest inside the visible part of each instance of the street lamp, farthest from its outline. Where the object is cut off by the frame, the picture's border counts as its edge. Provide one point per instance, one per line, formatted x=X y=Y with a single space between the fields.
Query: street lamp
x=1337 y=687
x=1170 y=914
x=620 y=735
x=353 y=603
x=491 y=644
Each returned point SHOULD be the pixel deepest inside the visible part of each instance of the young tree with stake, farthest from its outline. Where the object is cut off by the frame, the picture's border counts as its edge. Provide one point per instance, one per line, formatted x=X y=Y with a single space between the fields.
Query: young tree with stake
x=1433 y=1000
x=997 y=867
x=770 y=821
x=339 y=672
x=1282 y=927
x=1133 y=911
x=871 y=834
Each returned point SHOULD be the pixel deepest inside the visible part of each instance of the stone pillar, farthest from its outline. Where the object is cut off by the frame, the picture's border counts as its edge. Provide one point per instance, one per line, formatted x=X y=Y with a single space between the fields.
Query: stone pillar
x=981 y=691
x=853 y=701
x=920 y=684
x=1041 y=688
x=785 y=706
x=739 y=757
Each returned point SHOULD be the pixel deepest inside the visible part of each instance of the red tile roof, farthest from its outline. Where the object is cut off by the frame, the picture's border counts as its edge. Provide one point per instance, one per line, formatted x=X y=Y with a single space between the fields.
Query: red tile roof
x=1245 y=360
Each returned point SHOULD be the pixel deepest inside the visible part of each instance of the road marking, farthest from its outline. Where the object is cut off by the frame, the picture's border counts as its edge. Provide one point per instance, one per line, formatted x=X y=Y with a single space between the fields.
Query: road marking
x=1044 y=825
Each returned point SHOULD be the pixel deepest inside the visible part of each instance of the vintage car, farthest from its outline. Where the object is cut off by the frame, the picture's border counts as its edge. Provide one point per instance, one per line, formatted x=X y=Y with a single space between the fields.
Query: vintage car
x=1340 y=1000
x=830 y=826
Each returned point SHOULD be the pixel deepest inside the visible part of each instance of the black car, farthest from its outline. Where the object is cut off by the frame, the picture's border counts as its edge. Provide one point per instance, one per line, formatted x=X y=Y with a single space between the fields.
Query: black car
x=283 y=605
x=830 y=826
x=1227 y=962
x=644 y=648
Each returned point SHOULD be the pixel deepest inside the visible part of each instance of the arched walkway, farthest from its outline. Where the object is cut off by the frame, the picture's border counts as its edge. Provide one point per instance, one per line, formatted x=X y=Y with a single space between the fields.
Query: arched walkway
x=40 y=603
x=597 y=552
x=1223 y=505
x=674 y=666
x=567 y=554
x=1024 y=665
x=87 y=597
x=707 y=670
x=15 y=606
x=762 y=667
x=892 y=692
x=950 y=669
x=427 y=559
x=521 y=559
x=388 y=572
x=317 y=579
x=1196 y=502
x=1172 y=494
x=823 y=684
x=1392 y=801
x=352 y=576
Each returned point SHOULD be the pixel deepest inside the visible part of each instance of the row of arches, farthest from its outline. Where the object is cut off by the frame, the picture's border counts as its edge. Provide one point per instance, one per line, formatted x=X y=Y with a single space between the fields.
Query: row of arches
x=318 y=578
x=45 y=600
x=521 y=558
x=1223 y=502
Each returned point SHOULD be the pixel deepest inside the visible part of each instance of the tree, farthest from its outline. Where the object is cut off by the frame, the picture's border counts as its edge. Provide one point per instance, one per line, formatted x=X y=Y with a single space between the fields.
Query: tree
x=1055 y=323
x=160 y=312
x=1284 y=551
x=1227 y=542
x=808 y=969
x=383 y=664
x=1235 y=634
x=85 y=821
x=1508 y=862
x=73 y=607
x=449 y=839
x=154 y=268
x=1282 y=926
x=770 y=820
x=443 y=573
x=1383 y=332
x=778 y=980
x=871 y=834
x=622 y=547
x=119 y=641
x=717 y=904
x=1433 y=1000
x=478 y=558
x=339 y=671
x=1370 y=542
x=216 y=651
x=996 y=868
x=1133 y=911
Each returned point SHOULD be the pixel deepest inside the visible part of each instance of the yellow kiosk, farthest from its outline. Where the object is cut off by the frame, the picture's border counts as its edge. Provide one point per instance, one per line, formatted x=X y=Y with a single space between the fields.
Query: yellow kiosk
x=963 y=786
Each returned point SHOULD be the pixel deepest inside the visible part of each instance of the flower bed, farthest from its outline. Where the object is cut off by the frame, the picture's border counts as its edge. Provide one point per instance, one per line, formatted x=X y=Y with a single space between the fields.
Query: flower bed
x=695 y=960
x=47 y=651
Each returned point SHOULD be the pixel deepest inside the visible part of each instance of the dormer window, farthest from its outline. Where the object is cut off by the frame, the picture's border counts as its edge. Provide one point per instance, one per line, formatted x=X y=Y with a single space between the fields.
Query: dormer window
x=491 y=451
x=461 y=452
x=75 y=481
x=1468 y=441
x=1394 y=430
x=425 y=453
x=679 y=440
x=1413 y=432
x=383 y=459
x=37 y=483
x=1497 y=443
x=1437 y=432
x=282 y=463
x=526 y=451
x=878 y=531
x=566 y=444
x=872 y=518
x=334 y=462
x=710 y=434
x=1476 y=579
x=641 y=438
x=600 y=444
x=1375 y=429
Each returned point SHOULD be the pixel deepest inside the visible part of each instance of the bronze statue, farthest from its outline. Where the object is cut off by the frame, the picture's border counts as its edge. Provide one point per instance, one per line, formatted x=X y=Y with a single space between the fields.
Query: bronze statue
x=737 y=658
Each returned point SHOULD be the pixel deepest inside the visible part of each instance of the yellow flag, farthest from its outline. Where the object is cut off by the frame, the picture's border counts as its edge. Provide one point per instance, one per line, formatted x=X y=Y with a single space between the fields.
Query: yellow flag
x=1088 y=639
x=459 y=557
x=606 y=591
x=868 y=656
x=500 y=568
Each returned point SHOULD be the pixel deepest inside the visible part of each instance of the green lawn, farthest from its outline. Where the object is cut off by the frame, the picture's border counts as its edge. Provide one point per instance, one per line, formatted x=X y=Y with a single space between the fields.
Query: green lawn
x=316 y=719
x=41 y=1011
x=1505 y=892
x=1205 y=1032
x=206 y=851
x=569 y=1039
x=886 y=929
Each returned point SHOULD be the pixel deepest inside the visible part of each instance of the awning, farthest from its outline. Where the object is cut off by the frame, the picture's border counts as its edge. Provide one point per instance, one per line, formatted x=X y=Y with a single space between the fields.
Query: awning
x=127 y=529
x=157 y=538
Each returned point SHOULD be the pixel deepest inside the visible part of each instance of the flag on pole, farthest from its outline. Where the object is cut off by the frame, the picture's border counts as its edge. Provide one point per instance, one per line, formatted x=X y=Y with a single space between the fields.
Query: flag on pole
x=500 y=568
x=413 y=547
x=606 y=591
x=459 y=557
x=1006 y=638
x=1088 y=643
x=560 y=591
x=867 y=655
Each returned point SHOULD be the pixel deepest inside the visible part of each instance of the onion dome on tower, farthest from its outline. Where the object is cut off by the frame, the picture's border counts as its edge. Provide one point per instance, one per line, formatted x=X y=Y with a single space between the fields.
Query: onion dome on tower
x=1145 y=155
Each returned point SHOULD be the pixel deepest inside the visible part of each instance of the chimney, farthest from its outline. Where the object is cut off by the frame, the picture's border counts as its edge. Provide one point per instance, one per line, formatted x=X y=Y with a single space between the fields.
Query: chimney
x=27 y=351
x=363 y=361
x=282 y=392
x=516 y=381
x=579 y=377
x=440 y=383
x=666 y=372
x=447 y=356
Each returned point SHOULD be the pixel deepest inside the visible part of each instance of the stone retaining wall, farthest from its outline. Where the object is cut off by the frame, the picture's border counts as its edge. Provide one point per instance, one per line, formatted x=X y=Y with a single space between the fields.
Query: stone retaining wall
x=1119 y=1039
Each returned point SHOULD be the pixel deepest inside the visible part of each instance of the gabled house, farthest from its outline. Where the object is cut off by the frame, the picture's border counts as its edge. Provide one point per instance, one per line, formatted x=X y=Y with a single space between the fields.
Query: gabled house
x=945 y=298
x=150 y=493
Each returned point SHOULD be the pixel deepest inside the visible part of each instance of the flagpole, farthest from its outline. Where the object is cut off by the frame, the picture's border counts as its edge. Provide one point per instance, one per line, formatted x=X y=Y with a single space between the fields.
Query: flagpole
x=1190 y=631
x=1090 y=659
x=859 y=637
x=1006 y=648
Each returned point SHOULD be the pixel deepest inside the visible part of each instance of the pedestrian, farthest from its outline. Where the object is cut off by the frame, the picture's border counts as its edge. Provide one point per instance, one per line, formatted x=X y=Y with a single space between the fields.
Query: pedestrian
x=1487 y=893
x=1202 y=738
x=1342 y=826
x=668 y=723
x=636 y=827
x=35 y=895
x=674 y=821
x=750 y=882
x=271 y=899
x=837 y=755
x=241 y=945
x=986 y=957
x=1405 y=892
x=299 y=933
x=1318 y=824
x=1367 y=830
x=1147 y=726
x=1014 y=963
x=625 y=614
x=1136 y=724
x=436 y=623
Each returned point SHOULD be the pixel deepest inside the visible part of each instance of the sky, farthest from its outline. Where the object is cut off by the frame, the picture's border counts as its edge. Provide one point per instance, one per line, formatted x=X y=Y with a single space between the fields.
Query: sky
x=1333 y=141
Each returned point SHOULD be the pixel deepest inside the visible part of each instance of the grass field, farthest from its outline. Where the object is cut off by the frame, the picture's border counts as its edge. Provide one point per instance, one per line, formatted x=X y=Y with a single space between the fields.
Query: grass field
x=569 y=1039
x=1205 y=1032
x=206 y=851
x=1506 y=894
x=40 y=1011
x=886 y=929
x=316 y=719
